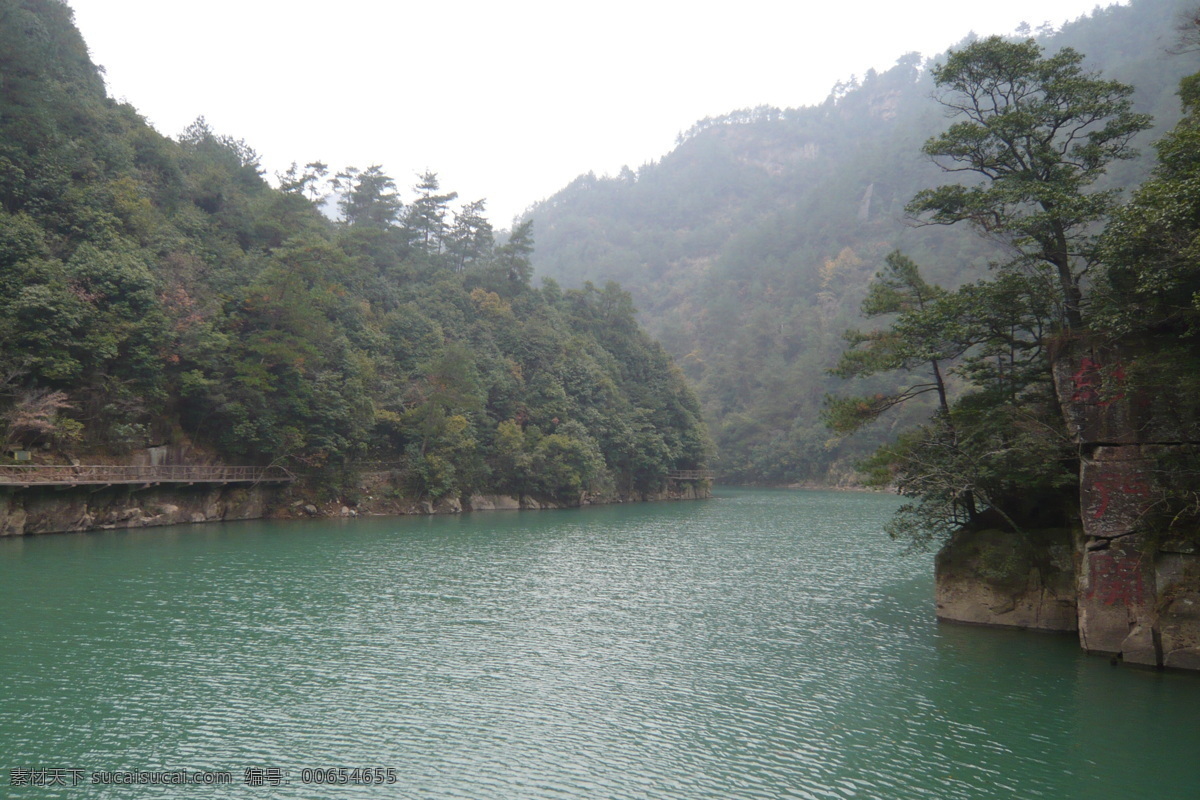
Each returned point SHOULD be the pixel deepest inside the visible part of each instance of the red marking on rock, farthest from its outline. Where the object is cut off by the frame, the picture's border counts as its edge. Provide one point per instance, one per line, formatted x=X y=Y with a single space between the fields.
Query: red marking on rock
x=1089 y=381
x=1107 y=485
x=1114 y=580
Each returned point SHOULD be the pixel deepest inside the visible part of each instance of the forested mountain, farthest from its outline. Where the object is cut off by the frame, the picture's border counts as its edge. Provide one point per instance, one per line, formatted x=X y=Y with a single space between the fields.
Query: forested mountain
x=748 y=249
x=157 y=291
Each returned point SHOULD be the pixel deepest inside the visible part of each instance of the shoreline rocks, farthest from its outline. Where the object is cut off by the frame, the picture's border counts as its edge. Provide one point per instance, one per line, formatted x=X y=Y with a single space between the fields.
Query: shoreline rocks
x=75 y=510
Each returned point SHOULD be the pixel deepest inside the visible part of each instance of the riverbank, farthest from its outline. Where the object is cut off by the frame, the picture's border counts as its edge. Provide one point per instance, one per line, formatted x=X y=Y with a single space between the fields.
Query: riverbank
x=817 y=486
x=79 y=509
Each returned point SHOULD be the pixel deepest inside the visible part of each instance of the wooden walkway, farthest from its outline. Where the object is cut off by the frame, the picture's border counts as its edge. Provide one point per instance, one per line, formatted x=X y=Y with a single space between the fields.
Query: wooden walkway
x=23 y=477
x=690 y=475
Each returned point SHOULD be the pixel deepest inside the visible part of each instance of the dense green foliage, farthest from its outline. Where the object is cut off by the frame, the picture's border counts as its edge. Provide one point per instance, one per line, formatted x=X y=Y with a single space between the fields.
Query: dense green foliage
x=1038 y=131
x=1151 y=250
x=1147 y=302
x=156 y=291
x=749 y=248
x=999 y=454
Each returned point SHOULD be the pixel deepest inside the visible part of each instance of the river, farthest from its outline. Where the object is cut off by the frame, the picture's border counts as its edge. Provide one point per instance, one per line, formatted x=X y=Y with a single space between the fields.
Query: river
x=761 y=644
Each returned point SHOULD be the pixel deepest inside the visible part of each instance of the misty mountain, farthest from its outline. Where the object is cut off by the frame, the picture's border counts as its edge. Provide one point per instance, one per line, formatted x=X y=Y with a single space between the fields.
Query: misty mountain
x=747 y=248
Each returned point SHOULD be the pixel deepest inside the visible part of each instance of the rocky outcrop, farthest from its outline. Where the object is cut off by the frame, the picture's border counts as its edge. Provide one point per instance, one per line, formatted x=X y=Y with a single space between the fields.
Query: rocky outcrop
x=994 y=577
x=1139 y=595
x=1177 y=605
x=492 y=502
x=53 y=510
x=1117 y=584
x=1136 y=595
x=1139 y=600
x=67 y=509
x=1120 y=395
x=1133 y=590
x=379 y=494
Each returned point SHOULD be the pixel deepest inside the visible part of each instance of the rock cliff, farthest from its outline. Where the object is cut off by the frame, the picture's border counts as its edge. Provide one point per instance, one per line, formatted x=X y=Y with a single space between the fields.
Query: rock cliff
x=994 y=577
x=66 y=509
x=54 y=510
x=1130 y=575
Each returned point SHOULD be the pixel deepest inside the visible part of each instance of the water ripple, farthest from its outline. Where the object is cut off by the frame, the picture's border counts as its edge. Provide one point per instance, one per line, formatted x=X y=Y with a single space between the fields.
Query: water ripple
x=762 y=645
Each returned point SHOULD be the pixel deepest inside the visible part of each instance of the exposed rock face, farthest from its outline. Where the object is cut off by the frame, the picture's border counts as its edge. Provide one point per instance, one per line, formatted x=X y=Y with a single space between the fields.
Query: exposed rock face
x=1141 y=601
x=491 y=502
x=1117 y=584
x=78 y=509
x=380 y=495
x=1116 y=602
x=50 y=510
x=1177 y=585
x=448 y=505
x=1135 y=595
x=1110 y=396
x=993 y=577
x=1139 y=597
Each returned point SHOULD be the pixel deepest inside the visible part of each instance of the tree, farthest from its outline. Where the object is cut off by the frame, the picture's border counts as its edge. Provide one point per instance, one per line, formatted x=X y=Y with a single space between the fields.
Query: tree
x=199 y=136
x=511 y=462
x=994 y=451
x=306 y=182
x=36 y=417
x=929 y=329
x=1152 y=248
x=368 y=197
x=1039 y=131
x=926 y=334
x=513 y=262
x=470 y=240
x=426 y=216
x=567 y=464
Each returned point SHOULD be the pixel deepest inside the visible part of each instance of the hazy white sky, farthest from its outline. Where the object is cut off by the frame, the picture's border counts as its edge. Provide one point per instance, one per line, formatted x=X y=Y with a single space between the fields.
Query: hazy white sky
x=505 y=99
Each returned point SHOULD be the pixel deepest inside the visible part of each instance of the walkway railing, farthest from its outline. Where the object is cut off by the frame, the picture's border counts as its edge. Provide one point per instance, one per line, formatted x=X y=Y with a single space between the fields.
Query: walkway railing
x=67 y=475
x=690 y=475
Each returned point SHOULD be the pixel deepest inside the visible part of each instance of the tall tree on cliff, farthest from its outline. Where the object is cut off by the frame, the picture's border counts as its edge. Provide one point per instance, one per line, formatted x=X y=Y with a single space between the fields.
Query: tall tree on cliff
x=990 y=444
x=1035 y=133
x=1038 y=132
x=924 y=335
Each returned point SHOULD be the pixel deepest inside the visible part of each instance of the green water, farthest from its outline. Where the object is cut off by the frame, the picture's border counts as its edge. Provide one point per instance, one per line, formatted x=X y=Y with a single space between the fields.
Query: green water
x=757 y=645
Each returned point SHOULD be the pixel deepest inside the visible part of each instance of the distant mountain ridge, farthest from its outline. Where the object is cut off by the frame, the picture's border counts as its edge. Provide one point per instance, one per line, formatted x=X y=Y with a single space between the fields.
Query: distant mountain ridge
x=748 y=247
